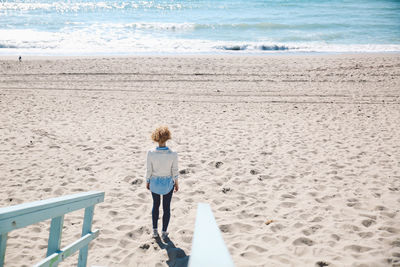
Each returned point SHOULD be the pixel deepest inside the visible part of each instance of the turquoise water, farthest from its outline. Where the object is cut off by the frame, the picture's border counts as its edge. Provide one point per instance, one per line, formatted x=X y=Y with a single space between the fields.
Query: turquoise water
x=188 y=26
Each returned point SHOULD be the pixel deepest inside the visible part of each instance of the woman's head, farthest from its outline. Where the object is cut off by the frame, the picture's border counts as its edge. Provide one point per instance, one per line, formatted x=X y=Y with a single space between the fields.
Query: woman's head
x=161 y=135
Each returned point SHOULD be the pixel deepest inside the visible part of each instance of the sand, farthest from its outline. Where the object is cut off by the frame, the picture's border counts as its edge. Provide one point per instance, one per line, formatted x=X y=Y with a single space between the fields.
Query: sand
x=309 y=143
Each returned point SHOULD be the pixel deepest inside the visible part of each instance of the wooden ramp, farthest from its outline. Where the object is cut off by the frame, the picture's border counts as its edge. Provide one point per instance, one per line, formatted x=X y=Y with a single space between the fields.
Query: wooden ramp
x=208 y=247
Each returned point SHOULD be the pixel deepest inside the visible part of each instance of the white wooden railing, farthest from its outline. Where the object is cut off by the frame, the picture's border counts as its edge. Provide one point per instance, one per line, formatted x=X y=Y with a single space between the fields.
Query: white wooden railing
x=18 y=216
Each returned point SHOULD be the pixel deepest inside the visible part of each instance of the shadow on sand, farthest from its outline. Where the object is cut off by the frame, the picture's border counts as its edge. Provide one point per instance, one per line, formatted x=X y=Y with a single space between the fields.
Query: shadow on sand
x=177 y=257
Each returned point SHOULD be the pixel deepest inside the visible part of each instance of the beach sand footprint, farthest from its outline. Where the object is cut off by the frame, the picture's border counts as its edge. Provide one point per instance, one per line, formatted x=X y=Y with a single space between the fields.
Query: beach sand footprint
x=366 y=234
x=357 y=248
x=301 y=241
x=288 y=204
x=368 y=222
x=311 y=230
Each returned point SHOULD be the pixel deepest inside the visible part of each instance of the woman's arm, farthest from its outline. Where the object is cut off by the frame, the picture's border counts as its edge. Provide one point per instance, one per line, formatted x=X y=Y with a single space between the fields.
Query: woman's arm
x=149 y=170
x=176 y=185
x=175 y=172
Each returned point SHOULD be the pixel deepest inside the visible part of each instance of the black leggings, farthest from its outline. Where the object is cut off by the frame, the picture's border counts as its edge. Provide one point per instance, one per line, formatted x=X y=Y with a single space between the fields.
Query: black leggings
x=166 y=209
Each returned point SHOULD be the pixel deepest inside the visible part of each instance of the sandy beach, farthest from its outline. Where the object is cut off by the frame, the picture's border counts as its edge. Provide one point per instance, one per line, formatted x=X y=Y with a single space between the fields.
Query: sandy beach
x=309 y=142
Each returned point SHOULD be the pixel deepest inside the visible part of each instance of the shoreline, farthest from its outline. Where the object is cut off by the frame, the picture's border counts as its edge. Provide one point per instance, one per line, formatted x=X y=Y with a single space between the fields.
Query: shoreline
x=200 y=55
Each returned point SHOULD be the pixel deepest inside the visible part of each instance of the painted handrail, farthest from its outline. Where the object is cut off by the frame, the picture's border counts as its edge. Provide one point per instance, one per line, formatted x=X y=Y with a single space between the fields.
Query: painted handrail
x=208 y=247
x=19 y=216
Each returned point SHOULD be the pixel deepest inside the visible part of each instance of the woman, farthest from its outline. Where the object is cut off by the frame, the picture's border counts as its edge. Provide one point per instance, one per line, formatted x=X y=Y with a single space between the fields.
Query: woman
x=161 y=177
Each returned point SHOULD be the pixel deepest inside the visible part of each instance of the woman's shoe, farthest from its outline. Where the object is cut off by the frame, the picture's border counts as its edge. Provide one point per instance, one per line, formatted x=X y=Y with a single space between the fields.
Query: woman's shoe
x=155 y=233
x=164 y=235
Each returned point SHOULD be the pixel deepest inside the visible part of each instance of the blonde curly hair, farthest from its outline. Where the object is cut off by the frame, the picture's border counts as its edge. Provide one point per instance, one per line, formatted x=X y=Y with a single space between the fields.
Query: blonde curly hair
x=161 y=134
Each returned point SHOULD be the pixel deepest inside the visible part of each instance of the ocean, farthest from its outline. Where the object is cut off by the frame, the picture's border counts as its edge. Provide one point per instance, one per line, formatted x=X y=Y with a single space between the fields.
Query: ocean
x=115 y=27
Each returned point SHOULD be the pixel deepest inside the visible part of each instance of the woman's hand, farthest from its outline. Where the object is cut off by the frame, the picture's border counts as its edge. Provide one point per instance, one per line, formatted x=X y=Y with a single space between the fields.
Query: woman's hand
x=148 y=185
x=176 y=186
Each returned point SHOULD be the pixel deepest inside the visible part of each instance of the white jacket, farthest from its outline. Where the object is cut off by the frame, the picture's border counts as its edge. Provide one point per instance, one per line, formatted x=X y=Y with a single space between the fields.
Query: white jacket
x=162 y=162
